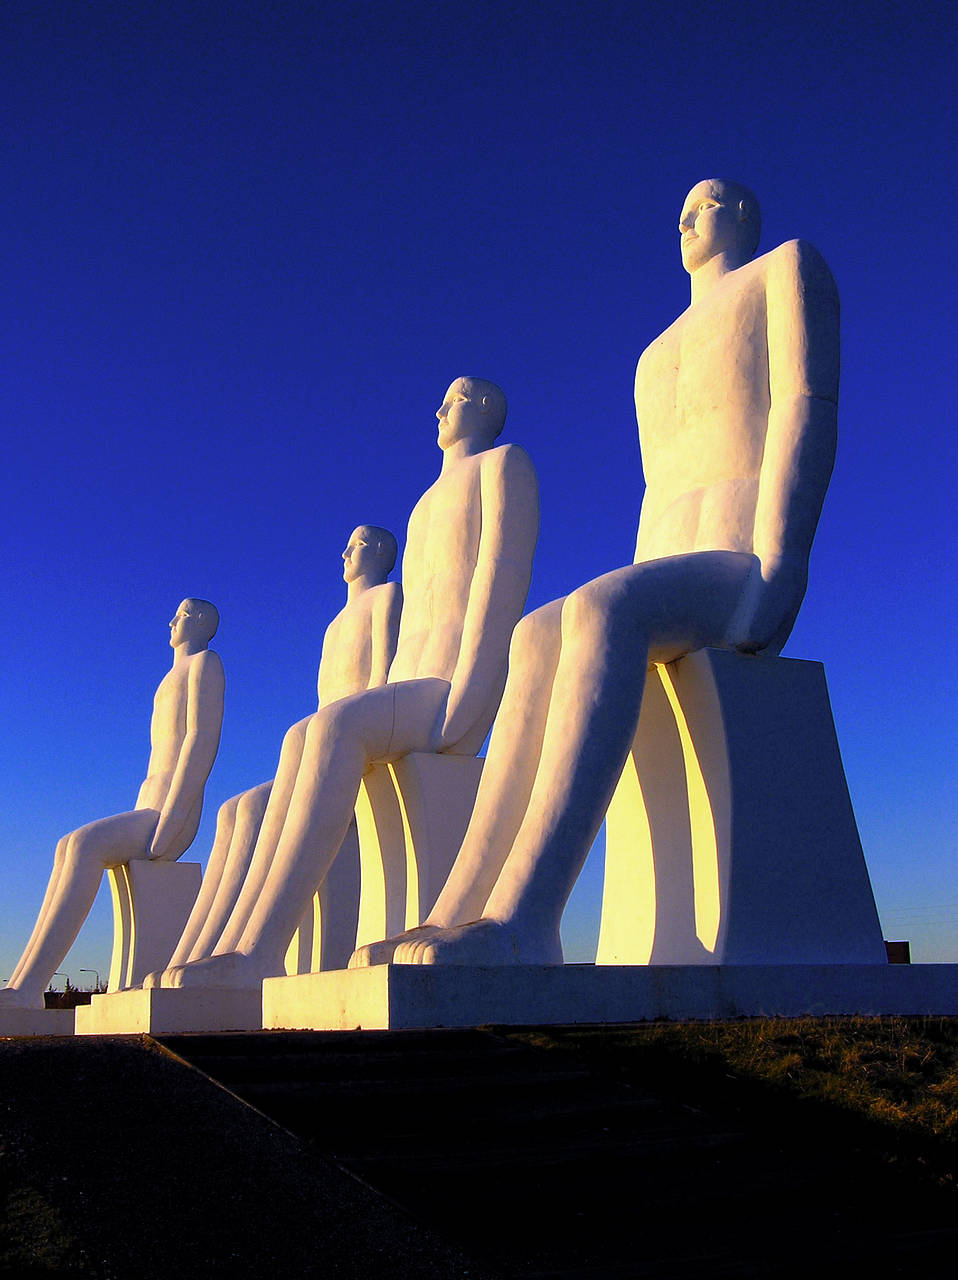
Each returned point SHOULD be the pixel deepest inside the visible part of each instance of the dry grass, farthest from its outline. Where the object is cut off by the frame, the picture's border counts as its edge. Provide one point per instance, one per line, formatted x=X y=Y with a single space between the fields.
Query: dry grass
x=892 y=1081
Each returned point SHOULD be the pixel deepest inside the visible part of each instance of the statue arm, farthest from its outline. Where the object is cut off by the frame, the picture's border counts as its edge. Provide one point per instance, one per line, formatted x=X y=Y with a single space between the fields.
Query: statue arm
x=204 y=720
x=803 y=365
x=387 y=608
x=500 y=583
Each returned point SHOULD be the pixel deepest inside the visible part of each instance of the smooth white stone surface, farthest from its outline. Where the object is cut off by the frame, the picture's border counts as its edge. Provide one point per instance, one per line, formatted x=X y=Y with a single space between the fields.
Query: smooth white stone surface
x=358 y=648
x=163 y=1012
x=466 y=572
x=411 y=816
x=737 y=407
x=405 y=996
x=151 y=904
x=327 y=932
x=184 y=737
x=36 y=1022
x=731 y=838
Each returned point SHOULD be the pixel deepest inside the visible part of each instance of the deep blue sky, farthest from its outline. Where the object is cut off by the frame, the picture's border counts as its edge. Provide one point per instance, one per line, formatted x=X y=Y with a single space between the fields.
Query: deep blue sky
x=246 y=246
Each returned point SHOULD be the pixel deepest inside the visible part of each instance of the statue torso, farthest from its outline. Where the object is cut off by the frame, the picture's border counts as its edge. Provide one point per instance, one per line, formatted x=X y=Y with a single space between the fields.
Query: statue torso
x=442 y=547
x=702 y=402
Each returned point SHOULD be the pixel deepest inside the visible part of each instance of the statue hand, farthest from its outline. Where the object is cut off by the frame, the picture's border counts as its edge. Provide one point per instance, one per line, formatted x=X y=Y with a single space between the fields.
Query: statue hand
x=438 y=739
x=768 y=605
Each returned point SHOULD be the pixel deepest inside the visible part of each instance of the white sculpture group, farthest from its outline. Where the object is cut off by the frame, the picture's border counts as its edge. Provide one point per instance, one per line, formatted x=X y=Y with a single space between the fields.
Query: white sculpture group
x=736 y=404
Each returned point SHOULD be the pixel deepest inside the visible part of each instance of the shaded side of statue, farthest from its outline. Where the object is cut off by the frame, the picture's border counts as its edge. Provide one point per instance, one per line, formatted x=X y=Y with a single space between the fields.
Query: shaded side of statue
x=737 y=408
x=465 y=574
x=184 y=737
x=358 y=648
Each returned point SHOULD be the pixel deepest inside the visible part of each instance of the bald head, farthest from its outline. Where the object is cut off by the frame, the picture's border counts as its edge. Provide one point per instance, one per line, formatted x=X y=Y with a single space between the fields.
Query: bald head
x=473 y=409
x=719 y=216
x=490 y=397
x=384 y=544
x=194 y=624
x=370 y=555
x=207 y=616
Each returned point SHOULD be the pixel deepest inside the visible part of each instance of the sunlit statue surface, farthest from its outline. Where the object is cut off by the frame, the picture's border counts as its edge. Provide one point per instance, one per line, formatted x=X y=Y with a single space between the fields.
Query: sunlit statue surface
x=184 y=736
x=358 y=648
x=737 y=405
x=466 y=572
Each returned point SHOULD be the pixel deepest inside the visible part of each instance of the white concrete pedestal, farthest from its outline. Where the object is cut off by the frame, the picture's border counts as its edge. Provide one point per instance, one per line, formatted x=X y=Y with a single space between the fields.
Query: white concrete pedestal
x=730 y=839
x=152 y=902
x=411 y=816
x=168 y=1012
x=36 y=1022
x=390 y=997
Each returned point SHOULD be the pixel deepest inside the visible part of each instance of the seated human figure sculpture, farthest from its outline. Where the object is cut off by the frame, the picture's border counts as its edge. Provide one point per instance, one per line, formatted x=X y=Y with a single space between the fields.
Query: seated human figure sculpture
x=358 y=647
x=737 y=406
x=184 y=737
x=466 y=572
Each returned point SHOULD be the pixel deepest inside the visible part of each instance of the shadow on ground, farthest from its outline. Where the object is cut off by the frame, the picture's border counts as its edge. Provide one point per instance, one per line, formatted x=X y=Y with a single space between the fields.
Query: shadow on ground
x=491 y=1152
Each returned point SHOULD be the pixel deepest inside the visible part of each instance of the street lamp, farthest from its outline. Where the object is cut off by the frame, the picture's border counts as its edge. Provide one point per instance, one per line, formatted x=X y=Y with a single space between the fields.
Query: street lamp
x=58 y=974
x=97 y=972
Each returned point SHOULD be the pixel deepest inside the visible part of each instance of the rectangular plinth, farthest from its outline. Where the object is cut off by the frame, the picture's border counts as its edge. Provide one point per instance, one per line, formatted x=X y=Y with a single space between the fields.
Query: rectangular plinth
x=166 y=1012
x=36 y=1022
x=406 y=996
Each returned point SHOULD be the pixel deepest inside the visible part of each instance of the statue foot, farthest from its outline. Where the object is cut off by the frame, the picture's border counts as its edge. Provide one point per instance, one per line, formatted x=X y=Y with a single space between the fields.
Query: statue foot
x=373 y=953
x=168 y=978
x=15 y=998
x=481 y=942
x=234 y=970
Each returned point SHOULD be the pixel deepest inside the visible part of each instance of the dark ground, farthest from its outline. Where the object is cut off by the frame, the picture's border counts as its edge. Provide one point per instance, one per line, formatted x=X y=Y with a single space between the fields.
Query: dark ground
x=539 y=1153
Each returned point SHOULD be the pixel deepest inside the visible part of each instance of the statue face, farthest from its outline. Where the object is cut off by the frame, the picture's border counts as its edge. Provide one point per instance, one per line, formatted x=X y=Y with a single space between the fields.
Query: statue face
x=185 y=625
x=460 y=415
x=361 y=555
x=710 y=224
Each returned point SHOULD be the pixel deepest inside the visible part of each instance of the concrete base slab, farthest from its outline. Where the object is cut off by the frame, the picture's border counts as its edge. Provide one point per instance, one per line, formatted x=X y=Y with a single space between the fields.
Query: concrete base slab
x=407 y=996
x=36 y=1022
x=166 y=1012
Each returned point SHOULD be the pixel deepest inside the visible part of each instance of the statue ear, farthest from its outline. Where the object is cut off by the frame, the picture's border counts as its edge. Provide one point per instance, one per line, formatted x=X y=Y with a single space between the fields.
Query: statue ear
x=484 y=404
x=742 y=212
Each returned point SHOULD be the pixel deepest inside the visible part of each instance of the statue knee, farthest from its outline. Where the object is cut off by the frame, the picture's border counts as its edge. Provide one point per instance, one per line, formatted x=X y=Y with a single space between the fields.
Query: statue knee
x=296 y=735
x=584 y=612
x=329 y=722
x=229 y=808
x=534 y=635
x=251 y=805
x=81 y=846
x=599 y=614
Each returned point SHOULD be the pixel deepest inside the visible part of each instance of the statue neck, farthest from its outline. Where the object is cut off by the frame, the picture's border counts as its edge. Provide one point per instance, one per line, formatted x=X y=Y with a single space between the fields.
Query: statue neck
x=462 y=449
x=188 y=649
x=360 y=585
x=712 y=273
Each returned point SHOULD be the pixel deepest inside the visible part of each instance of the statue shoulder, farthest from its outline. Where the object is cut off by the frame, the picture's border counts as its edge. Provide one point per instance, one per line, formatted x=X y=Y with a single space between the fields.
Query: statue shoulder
x=511 y=463
x=799 y=264
x=206 y=667
x=388 y=595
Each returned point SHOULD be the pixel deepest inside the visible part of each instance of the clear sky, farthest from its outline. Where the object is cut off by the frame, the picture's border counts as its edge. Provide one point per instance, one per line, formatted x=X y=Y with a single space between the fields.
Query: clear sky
x=245 y=247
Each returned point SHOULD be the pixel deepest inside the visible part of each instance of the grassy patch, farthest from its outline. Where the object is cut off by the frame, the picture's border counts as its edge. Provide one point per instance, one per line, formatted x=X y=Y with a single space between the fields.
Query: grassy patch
x=890 y=1084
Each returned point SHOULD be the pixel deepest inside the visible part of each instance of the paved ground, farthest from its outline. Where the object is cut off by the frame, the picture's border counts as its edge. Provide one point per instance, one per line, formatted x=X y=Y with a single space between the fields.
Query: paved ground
x=119 y=1160
x=564 y=1164
x=510 y=1155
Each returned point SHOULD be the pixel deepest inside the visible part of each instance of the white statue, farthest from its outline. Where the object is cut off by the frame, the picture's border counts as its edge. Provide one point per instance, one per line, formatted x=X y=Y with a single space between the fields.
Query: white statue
x=466 y=572
x=737 y=406
x=358 y=647
x=184 y=736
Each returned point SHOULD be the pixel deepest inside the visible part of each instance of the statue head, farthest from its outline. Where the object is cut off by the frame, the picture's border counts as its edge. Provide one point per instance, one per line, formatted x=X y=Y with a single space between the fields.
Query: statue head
x=194 y=622
x=471 y=406
x=719 y=216
x=370 y=553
